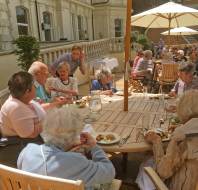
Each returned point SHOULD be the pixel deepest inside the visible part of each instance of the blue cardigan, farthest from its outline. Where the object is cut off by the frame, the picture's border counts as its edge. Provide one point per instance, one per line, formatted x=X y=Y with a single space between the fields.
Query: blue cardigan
x=67 y=165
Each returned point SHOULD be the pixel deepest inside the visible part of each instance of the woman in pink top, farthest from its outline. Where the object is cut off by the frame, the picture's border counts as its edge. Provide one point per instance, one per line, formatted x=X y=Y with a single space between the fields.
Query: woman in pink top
x=136 y=62
x=20 y=118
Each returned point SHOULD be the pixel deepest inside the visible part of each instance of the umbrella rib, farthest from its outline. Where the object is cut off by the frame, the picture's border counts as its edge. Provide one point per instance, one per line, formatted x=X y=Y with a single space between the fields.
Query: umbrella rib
x=175 y=17
x=178 y=15
x=161 y=15
x=193 y=15
x=152 y=22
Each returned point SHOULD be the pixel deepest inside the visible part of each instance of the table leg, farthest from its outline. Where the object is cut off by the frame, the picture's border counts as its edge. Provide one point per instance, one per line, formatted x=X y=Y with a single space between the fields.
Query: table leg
x=124 y=161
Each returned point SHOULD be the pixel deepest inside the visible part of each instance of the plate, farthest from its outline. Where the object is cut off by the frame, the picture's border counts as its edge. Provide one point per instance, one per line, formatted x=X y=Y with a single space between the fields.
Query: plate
x=121 y=93
x=107 y=138
x=160 y=96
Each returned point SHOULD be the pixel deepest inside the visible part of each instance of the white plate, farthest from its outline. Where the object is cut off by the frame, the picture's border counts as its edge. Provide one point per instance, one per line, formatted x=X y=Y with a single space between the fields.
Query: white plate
x=117 y=138
x=121 y=93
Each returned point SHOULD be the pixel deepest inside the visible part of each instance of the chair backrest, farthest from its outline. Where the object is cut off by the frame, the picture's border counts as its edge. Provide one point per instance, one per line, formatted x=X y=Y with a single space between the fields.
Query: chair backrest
x=169 y=72
x=14 y=179
x=155 y=178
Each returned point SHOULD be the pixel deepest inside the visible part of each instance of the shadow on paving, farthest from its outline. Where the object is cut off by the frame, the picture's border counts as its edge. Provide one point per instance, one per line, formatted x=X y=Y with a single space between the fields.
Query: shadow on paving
x=128 y=177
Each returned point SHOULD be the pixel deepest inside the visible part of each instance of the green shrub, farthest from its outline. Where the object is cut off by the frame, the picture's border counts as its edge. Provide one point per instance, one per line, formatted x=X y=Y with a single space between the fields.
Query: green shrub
x=27 y=49
x=144 y=41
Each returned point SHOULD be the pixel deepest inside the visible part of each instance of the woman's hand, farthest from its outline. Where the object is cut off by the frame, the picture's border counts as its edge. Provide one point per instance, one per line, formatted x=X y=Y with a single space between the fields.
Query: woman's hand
x=107 y=92
x=87 y=140
x=63 y=100
x=152 y=137
x=82 y=56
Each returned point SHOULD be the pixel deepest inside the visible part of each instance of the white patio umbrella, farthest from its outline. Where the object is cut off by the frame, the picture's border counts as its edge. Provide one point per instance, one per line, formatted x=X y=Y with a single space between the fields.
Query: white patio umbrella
x=168 y=15
x=181 y=31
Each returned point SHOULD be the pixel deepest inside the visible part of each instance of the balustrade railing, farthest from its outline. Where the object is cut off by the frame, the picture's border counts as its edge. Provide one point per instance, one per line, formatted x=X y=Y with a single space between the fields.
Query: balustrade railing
x=92 y=50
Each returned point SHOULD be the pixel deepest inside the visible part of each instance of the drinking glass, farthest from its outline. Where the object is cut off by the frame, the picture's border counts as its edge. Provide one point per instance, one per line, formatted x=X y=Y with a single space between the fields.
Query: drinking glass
x=95 y=104
x=146 y=122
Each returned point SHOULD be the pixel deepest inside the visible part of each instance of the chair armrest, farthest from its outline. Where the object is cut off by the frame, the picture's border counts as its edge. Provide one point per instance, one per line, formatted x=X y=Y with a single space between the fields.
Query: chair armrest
x=155 y=178
x=116 y=184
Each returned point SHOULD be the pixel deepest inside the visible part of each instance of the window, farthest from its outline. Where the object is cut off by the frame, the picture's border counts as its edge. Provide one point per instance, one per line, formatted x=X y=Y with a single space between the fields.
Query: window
x=118 y=27
x=47 y=25
x=80 y=27
x=22 y=20
x=73 y=17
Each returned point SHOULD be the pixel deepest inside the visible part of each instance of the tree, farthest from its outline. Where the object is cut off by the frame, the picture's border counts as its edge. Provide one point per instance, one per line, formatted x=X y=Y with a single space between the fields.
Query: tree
x=27 y=49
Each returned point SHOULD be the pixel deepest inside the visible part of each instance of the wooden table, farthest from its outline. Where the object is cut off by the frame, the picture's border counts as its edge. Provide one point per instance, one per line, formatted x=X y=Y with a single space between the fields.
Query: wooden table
x=113 y=119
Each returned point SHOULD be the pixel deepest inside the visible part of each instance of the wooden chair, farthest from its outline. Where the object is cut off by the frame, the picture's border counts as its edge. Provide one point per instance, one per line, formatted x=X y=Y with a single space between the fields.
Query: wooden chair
x=155 y=179
x=15 y=179
x=168 y=75
x=135 y=84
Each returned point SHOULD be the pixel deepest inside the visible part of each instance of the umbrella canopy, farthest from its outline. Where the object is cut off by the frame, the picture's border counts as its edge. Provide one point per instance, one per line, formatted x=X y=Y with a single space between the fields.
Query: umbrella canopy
x=180 y=31
x=168 y=15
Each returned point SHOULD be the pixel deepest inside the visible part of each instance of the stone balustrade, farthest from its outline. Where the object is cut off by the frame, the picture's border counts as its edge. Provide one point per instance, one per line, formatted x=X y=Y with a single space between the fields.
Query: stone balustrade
x=92 y=50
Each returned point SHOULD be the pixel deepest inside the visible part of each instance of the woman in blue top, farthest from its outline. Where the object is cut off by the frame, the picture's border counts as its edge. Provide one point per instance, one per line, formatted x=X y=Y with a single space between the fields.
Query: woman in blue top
x=103 y=82
x=57 y=158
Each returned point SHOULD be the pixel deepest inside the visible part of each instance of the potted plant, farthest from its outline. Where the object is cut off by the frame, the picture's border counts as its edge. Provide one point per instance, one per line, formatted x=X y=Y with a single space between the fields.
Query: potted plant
x=27 y=49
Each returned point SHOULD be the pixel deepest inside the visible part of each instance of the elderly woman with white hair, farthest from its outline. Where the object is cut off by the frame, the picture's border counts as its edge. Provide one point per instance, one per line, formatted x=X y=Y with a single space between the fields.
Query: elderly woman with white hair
x=56 y=157
x=39 y=71
x=103 y=82
x=179 y=163
x=63 y=84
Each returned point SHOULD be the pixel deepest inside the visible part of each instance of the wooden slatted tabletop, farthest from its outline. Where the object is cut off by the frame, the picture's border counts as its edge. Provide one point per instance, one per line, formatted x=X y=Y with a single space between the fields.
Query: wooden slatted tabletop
x=113 y=119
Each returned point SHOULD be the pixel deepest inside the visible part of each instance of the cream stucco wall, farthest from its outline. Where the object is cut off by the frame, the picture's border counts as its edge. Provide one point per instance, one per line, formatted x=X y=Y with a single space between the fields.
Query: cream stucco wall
x=104 y=16
x=60 y=14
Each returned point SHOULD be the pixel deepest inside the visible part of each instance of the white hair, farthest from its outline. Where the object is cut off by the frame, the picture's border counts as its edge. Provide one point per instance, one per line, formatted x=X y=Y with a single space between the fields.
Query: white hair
x=36 y=67
x=187 y=106
x=102 y=73
x=181 y=52
x=61 y=64
x=62 y=126
x=148 y=54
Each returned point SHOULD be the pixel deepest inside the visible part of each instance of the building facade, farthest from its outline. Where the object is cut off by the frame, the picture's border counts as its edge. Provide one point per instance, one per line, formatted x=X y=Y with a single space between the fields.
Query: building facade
x=54 y=20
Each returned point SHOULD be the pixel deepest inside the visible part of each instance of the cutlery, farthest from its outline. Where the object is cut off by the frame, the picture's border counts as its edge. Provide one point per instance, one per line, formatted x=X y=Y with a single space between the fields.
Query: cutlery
x=124 y=139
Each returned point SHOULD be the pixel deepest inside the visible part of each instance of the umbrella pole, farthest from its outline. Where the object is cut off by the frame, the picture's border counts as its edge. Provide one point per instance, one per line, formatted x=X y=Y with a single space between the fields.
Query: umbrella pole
x=169 y=24
x=127 y=52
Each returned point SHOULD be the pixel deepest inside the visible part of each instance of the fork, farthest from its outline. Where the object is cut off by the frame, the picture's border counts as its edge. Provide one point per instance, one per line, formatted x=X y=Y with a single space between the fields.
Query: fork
x=124 y=139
